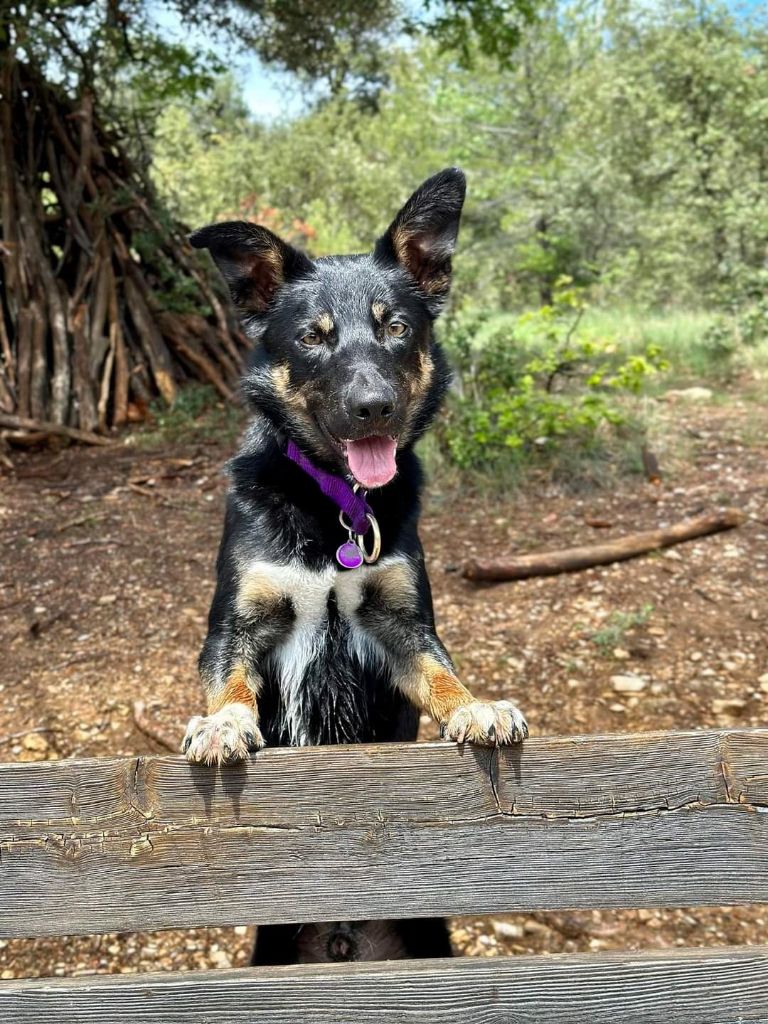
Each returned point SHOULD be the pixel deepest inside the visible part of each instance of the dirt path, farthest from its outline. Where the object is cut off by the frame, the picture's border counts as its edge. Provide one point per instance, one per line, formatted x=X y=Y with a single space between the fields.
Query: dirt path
x=106 y=571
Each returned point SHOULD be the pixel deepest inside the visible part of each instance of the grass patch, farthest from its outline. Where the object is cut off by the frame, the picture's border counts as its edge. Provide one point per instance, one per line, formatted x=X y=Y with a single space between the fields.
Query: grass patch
x=612 y=634
x=198 y=414
x=700 y=346
x=682 y=336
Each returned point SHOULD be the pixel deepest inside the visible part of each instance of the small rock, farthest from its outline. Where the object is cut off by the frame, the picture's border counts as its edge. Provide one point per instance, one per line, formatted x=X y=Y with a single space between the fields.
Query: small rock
x=534 y=927
x=694 y=394
x=620 y=654
x=642 y=648
x=35 y=741
x=220 y=959
x=618 y=708
x=506 y=930
x=762 y=682
x=628 y=684
x=730 y=706
x=108 y=599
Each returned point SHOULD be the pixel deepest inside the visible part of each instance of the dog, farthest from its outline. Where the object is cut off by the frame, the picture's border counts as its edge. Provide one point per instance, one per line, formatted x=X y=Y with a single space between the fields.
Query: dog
x=321 y=628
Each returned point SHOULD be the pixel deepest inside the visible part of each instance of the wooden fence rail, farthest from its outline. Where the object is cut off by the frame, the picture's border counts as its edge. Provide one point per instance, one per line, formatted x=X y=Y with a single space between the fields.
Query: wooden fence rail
x=332 y=833
x=708 y=986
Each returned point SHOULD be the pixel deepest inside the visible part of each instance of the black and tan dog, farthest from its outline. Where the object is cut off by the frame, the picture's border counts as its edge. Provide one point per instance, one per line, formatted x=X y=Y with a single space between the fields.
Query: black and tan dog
x=346 y=376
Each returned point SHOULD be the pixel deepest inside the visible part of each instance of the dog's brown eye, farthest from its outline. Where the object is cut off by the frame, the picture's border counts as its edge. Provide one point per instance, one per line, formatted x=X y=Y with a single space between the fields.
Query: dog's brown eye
x=311 y=339
x=396 y=329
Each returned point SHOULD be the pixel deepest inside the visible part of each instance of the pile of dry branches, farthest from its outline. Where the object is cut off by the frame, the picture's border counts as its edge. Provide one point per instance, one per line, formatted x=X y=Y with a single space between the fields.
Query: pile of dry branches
x=103 y=305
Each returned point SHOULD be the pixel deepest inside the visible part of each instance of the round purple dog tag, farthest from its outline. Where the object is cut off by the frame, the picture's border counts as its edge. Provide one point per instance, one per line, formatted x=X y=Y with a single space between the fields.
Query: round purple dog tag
x=349 y=556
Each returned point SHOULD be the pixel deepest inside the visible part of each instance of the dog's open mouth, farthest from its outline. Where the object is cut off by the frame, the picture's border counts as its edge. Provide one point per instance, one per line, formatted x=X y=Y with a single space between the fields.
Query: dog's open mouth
x=371 y=460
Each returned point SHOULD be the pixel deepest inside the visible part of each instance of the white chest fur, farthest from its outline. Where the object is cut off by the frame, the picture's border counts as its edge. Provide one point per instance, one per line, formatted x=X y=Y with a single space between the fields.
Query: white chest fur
x=309 y=592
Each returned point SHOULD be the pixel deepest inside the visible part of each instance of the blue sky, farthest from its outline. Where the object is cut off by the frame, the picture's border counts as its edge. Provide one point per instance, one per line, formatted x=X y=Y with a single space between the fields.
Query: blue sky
x=269 y=94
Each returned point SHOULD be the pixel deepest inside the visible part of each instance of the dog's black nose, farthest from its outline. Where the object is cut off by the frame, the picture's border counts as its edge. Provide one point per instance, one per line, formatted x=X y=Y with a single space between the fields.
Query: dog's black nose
x=371 y=400
x=373 y=407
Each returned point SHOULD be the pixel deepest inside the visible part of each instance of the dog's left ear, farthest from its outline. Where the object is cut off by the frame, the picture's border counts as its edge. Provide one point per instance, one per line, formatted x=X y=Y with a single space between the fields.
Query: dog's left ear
x=253 y=261
x=422 y=237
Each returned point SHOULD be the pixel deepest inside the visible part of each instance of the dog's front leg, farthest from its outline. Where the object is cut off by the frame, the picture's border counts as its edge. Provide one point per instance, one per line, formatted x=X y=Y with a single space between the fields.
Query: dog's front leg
x=429 y=681
x=396 y=612
x=230 y=730
x=254 y=621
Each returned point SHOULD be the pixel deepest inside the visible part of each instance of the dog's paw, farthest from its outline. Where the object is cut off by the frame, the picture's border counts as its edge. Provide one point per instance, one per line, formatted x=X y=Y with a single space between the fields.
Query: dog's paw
x=224 y=737
x=490 y=723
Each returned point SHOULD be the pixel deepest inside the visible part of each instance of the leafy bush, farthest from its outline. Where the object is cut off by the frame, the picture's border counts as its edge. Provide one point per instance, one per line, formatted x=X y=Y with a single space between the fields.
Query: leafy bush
x=527 y=383
x=739 y=336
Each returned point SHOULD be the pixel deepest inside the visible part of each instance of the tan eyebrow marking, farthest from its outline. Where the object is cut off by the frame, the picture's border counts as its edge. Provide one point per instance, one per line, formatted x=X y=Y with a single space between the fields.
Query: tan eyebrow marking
x=378 y=309
x=325 y=323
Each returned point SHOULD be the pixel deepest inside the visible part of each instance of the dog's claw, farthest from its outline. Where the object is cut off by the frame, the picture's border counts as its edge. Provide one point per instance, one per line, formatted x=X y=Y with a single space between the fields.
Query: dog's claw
x=225 y=737
x=490 y=723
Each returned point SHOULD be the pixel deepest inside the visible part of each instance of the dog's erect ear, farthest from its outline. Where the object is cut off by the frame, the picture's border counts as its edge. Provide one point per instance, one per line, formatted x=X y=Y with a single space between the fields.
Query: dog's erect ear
x=253 y=261
x=422 y=237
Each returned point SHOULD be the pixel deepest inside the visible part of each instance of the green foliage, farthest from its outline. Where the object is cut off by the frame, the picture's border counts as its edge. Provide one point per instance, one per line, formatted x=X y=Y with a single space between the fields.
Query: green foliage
x=739 y=340
x=468 y=27
x=622 y=145
x=529 y=382
x=614 y=632
x=702 y=346
x=197 y=413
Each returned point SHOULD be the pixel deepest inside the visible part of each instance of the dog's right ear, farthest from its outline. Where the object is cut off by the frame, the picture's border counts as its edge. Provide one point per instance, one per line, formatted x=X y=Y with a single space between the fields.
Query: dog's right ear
x=253 y=261
x=422 y=237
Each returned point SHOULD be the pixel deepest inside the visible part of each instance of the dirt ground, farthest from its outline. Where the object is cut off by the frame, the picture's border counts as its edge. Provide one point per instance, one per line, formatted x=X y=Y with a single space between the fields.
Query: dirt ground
x=106 y=572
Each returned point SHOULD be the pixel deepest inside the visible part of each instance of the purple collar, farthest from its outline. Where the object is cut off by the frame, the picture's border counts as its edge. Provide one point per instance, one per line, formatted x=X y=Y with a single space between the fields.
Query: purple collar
x=352 y=503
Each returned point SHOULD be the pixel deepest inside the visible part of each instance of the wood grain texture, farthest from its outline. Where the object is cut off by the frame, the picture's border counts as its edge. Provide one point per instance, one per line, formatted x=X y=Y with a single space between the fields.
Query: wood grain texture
x=704 y=986
x=666 y=819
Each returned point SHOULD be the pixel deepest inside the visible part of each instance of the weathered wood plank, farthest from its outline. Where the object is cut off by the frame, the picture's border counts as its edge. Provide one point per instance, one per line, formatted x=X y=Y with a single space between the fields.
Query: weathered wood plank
x=744 y=757
x=704 y=986
x=383 y=831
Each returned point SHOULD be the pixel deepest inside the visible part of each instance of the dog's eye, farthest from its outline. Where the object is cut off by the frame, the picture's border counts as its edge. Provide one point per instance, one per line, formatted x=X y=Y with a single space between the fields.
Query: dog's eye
x=396 y=329
x=311 y=339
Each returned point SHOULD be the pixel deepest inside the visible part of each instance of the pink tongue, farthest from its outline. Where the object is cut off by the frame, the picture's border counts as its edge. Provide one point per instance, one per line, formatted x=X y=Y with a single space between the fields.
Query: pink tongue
x=372 y=460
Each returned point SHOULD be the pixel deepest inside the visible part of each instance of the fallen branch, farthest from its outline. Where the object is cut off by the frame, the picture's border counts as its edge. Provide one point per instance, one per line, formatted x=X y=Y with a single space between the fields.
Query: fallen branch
x=57 y=429
x=553 y=563
x=140 y=720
